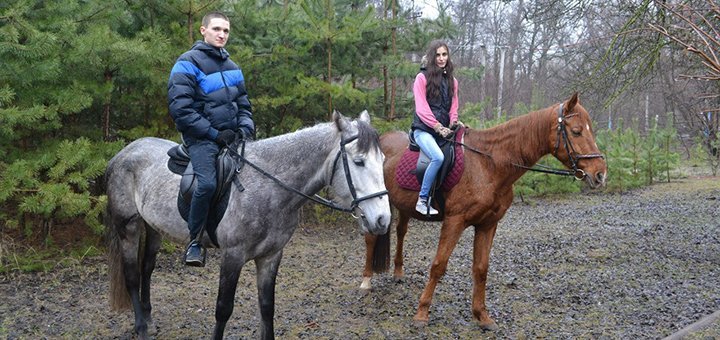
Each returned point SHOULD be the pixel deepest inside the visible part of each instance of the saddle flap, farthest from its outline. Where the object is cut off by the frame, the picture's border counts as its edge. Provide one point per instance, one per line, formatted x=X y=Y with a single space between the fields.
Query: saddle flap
x=225 y=171
x=413 y=146
x=423 y=162
x=409 y=176
x=179 y=159
x=226 y=168
x=187 y=183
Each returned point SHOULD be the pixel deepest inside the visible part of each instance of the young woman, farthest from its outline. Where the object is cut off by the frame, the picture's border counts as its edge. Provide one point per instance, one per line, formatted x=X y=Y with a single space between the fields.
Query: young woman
x=436 y=111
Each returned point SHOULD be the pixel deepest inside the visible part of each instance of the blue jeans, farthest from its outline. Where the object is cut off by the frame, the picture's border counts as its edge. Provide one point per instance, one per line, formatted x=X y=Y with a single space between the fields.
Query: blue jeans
x=429 y=147
x=203 y=154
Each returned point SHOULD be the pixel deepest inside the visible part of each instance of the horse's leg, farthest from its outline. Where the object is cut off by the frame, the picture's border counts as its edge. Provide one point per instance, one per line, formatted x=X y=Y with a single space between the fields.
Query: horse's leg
x=130 y=244
x=153 y=241
x=449 y=236
x=402 y=228
x=367 y=274
x=267 y=269
x=481 y=259
x=229 y=274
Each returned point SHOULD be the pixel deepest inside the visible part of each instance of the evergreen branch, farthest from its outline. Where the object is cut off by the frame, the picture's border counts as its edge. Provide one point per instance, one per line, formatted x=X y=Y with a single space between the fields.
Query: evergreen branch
x=94 y=14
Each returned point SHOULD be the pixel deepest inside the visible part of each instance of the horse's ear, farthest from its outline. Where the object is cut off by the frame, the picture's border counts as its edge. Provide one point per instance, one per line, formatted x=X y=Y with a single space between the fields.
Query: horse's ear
x=572 y=102
x=365 y=117
x=340 y=121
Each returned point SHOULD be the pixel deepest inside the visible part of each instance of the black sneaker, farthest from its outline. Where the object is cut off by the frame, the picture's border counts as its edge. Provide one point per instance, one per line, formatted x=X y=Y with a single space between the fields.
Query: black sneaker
x=195 y=255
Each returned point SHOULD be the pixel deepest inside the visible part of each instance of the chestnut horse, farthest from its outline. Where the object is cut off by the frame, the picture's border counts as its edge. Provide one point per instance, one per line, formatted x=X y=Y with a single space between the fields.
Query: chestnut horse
x=494 y=159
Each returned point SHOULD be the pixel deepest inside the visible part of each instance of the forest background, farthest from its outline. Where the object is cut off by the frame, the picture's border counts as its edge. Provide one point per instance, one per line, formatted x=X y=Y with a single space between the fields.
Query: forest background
x=81 y=79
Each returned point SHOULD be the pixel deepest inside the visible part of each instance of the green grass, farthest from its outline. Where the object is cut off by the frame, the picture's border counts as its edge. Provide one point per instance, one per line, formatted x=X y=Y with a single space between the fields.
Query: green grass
x=44 y=260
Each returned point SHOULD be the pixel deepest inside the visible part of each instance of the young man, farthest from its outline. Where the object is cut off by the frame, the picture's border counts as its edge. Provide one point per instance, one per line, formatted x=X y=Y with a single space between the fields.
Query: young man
x=210 y=106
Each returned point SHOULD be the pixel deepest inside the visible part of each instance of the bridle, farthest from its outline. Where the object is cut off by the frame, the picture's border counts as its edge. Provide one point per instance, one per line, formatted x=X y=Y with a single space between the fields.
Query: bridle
x=342 y=154
x=572 y=154
x=575 y=157
x=562 y=134
x=346 y=168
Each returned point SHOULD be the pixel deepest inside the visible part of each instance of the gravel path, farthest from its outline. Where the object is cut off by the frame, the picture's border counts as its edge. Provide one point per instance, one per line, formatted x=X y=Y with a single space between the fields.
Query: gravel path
x=642 y=264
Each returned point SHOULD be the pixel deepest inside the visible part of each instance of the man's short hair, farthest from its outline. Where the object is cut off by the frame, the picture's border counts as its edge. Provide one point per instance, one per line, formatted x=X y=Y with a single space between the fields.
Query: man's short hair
x=213 y=15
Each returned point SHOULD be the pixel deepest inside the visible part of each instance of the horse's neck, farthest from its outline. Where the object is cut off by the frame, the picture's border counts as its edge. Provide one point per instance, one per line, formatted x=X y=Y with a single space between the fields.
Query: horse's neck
x=298 y=159
x=520 y=141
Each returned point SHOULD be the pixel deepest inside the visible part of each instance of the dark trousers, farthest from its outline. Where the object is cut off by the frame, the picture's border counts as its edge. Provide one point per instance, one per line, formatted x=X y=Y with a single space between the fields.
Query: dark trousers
x=203 y=154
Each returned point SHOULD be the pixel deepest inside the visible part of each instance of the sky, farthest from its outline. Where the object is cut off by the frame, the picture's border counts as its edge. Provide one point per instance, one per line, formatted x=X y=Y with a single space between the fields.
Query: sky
x=429 y=8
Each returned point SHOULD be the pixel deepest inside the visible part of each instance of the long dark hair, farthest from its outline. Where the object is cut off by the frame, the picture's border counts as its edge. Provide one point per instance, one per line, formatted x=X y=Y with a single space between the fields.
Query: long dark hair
x=434 y=74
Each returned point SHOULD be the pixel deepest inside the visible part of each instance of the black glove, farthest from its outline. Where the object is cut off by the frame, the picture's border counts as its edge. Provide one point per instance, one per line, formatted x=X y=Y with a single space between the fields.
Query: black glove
x=244 y=134
x=225 y=137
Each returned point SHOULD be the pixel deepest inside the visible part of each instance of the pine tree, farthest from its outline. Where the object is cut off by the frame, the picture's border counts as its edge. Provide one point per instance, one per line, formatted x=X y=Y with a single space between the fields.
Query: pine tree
x=64 y=62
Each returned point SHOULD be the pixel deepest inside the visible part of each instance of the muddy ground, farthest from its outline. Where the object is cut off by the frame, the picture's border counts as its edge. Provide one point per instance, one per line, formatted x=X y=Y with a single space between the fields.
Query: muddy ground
x=642 y=264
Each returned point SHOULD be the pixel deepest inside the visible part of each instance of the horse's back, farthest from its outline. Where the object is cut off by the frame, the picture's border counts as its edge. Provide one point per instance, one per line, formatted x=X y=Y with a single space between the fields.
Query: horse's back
x=143 y=148
x=142 y=154
x=394 y=143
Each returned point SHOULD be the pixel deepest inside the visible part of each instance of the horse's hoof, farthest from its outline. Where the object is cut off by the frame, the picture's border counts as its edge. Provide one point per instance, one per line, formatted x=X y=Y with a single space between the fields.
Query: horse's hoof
x=420 y=323
x=489 y=326
x=141 y=335
x=365 y=285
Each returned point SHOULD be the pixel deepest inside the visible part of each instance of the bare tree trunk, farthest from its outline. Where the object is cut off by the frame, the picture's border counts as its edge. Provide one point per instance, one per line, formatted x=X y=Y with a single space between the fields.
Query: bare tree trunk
x=393 y=87
x=329 y=77
x=106 y=106
x=47 y=228
x=647 y=113
x=501 y=73
x=190 y=24
x=387 y=113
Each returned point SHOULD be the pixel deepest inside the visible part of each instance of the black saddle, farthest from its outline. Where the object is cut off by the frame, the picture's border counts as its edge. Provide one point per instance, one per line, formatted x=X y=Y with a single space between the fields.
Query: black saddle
x=448 y=150
x=226 y=168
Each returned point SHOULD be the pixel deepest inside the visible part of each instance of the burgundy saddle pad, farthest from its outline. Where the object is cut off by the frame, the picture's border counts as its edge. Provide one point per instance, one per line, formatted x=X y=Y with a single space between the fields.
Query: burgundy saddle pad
x=405 y=171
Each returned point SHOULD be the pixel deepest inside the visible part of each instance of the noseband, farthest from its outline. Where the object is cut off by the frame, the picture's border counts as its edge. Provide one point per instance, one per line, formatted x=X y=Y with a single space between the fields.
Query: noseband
x=572 y=154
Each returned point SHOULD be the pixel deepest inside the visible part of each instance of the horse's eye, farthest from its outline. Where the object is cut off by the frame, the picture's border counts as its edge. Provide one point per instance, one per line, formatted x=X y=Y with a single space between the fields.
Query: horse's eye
x=359 y=161
x=576 y=131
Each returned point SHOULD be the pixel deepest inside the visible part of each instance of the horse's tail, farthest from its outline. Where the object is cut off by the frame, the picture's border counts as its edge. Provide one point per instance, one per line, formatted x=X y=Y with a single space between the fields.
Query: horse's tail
x=381 y=253
x=119 y=296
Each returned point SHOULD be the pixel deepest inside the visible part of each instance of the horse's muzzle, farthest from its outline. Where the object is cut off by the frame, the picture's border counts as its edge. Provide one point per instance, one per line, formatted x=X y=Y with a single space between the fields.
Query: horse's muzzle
x=379 y=226
x=595 y=180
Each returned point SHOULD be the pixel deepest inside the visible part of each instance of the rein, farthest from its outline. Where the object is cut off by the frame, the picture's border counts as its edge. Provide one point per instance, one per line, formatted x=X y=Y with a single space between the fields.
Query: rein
x=572 y=154
x=316 y=198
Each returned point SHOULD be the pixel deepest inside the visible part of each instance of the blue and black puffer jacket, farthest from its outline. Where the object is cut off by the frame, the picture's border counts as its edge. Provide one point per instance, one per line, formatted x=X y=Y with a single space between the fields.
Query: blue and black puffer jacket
x=206 y=94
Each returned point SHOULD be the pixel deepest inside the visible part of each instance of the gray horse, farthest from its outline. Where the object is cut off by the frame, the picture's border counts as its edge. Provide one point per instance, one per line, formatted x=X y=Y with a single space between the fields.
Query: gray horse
x=259 y=221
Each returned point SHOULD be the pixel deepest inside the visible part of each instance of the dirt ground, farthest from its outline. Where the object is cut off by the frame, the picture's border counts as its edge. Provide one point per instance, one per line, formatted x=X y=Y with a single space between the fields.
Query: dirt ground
x=641 y=264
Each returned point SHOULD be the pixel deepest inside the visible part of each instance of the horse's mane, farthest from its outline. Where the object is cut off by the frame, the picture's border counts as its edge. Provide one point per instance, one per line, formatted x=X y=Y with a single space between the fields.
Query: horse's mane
x=517 y=141
x=367 y=138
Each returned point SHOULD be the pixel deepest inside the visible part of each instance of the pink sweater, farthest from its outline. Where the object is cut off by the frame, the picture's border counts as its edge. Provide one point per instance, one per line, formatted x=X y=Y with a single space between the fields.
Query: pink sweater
x=422 y=108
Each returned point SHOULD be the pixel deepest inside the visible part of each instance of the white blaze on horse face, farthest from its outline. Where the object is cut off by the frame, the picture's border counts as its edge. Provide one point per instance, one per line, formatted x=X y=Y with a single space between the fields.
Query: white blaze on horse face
x=587 y=127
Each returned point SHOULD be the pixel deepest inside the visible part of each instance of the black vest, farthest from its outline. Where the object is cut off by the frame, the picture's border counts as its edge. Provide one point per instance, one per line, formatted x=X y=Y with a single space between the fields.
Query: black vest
x=439 y=105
